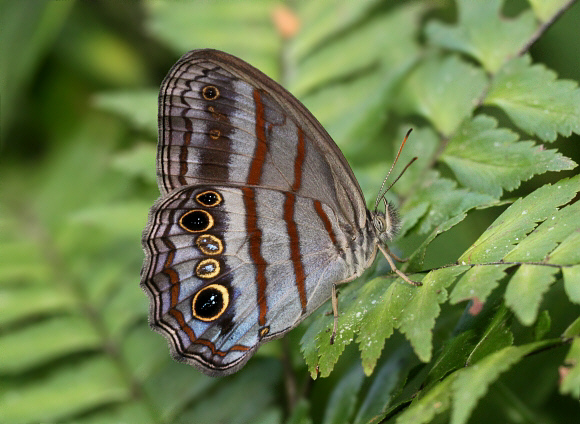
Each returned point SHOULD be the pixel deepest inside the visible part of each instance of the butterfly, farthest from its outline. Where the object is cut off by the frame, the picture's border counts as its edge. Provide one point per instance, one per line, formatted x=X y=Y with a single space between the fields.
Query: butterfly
x=260 y=216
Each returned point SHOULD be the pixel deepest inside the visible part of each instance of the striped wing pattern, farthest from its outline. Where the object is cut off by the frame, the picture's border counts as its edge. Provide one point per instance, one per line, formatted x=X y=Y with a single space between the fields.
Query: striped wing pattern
x=289 y=221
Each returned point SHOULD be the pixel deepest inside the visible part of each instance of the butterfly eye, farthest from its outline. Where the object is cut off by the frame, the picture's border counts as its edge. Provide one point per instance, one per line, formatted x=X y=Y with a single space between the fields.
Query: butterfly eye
x=196 y=221
x=379 y=223
x=210 y=92
x=209 y=198
x=210 y=302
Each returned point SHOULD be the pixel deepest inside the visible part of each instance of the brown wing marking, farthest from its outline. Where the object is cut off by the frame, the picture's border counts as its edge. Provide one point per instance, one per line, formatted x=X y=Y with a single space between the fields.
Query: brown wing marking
x=255 y=233
x=291 y=224
x=175 y=288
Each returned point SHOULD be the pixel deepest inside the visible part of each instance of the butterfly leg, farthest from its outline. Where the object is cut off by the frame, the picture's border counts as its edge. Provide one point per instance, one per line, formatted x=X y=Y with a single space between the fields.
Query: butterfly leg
x=389 y=259
x=334 y=301
x=395 y=257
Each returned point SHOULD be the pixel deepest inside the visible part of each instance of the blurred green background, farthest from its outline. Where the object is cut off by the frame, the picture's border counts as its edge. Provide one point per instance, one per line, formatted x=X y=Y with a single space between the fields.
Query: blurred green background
x=79 y=82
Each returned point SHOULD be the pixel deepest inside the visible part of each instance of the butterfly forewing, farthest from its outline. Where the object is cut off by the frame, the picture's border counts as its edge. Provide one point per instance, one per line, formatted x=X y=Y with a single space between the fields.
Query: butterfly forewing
x=222 y=120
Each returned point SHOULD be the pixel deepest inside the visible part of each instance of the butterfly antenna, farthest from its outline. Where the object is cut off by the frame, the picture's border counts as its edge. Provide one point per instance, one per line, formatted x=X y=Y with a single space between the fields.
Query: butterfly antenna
x=400 y=175
x=381 y=195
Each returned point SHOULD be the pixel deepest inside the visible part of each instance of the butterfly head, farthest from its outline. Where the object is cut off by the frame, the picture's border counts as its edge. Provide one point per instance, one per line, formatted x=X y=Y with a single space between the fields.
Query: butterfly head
x=386 y=223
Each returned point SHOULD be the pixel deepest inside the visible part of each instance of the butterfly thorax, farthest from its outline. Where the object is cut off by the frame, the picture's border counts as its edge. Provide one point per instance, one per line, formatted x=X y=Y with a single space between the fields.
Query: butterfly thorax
x=380 y=228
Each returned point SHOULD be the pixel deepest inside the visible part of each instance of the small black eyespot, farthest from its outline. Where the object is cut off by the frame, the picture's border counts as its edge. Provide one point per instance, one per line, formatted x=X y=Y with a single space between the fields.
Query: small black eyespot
x=210 y=302
x=196 y=221
x=209 y=198
x=210 y=92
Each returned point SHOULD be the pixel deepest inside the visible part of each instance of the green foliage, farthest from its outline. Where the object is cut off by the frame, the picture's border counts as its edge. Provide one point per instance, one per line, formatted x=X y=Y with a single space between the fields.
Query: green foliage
x=571 y=370
x=553 y=107
x=343 y=397
x=483 y=33
x=501 y=275
x=546 y=10
x=27 y=33
x=505 y=165
x=443 y=90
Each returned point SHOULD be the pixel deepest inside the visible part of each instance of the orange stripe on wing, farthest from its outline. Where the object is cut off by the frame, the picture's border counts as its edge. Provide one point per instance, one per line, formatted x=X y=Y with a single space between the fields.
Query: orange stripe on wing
x=291 y=224
x=255 y=242
x=325 y=221
x=221 y=353
x=261 y=149
x=254 y=233
x=295 y=247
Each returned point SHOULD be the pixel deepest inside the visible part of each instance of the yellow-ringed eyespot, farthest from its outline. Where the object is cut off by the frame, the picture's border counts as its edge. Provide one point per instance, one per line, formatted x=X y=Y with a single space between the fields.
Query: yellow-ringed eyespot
x=210 y=92
x=218 y=116
x=196 y=221
x=209 y=244
x=210 y=302
x=209 y=198
x=214 y=134
x=207 y=268
x=264 y=331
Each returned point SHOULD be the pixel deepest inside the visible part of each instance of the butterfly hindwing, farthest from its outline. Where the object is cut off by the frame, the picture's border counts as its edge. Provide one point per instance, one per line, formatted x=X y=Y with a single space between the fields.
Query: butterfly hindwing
x=234 y=243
